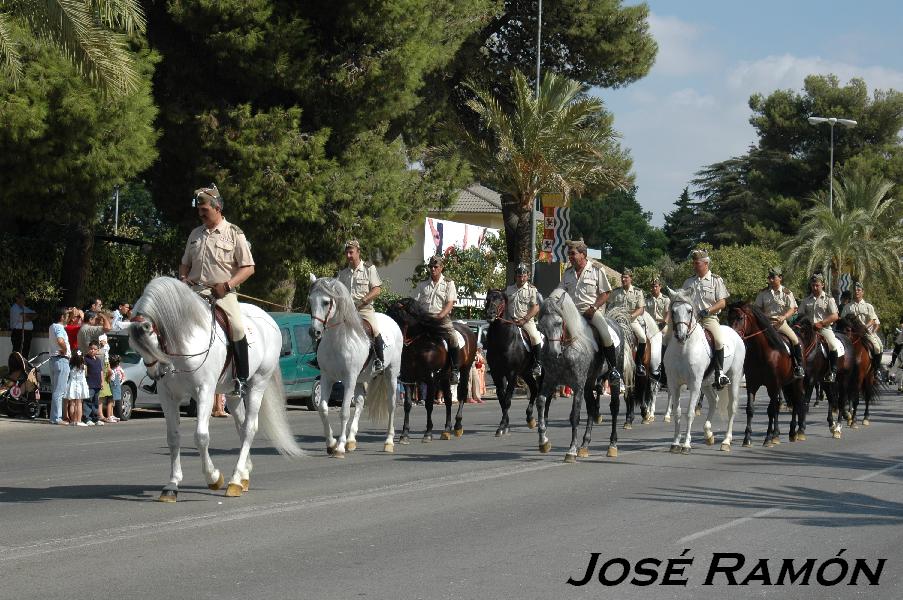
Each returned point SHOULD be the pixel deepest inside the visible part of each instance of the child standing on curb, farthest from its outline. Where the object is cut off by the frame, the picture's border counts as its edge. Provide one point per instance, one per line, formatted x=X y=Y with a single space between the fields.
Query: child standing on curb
x=116 y=376
x=77 y=391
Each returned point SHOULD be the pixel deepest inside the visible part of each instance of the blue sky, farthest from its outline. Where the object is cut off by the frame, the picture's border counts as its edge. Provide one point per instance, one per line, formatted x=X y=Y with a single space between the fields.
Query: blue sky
x=691 y=110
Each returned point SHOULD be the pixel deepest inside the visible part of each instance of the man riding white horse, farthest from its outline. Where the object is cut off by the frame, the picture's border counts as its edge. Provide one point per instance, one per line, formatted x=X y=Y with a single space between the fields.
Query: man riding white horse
x=866 y=314
x=778 y=304
x=437 y=296
x=586 y=284
x=523 y=305
x=709 y=298
x=822 y=310
x=630 y=299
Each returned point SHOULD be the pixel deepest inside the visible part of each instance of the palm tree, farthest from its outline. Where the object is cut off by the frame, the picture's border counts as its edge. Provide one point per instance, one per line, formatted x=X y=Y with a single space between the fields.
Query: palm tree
x=861 y=235
x=86 y=31
x=561 y=141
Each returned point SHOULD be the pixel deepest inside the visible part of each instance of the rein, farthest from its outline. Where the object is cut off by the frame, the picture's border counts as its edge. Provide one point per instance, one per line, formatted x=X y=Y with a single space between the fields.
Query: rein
x=326 y=325
x=162 y=343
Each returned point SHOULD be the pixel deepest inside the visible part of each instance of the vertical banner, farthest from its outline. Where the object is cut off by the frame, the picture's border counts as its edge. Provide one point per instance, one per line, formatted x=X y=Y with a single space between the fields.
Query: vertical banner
x=556 y=227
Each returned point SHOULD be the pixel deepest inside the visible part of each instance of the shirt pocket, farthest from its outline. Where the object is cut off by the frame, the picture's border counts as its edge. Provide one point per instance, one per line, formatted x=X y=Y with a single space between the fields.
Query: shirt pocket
x=224 y=250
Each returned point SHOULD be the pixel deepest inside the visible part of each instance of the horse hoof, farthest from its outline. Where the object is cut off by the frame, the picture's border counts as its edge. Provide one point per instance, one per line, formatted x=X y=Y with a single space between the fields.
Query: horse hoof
x=459 y=432
x=404 y=441
x=445 y=436
x=747 y=444
x=498 y=432
x=233 y=490
x=675 y=449
x=338 y=454
x=545 y=447
x=570 y=458
x=427 y=438
x=330 y=450
x=685 y=450
x=628 y=426
x=612 y=452
x=866 y=422
x=776 y=441
x=648 y=420
x=390 y=448
x=667 y=419
x=710 y=441
x=598 y=419
x=245 y=485
x=725 y=447
x=218 y=484
x=801 y=437
x=168 y=496
x=698 y=412
x=531 y=423
x=583 y=452
x=854 y=425
x=836 y=435
x=351 y=446
x=792 y=437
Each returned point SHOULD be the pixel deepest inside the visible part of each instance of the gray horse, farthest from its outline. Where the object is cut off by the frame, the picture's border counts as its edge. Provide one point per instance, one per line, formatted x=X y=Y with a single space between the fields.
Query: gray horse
x=571 y=357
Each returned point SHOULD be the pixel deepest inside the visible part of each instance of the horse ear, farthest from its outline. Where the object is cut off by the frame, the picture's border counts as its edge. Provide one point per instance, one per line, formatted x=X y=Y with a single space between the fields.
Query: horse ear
x=669 y=291
x=313 y=277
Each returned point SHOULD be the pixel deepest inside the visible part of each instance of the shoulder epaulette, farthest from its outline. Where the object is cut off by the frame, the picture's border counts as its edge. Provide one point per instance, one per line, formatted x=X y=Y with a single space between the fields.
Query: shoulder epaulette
x=236 y=229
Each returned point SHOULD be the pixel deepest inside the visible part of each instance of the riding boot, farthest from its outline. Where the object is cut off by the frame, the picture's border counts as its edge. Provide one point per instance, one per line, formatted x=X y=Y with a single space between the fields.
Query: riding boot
x=240 y=348
x=313 y=362
x=721 y=379
x=535 y=354
x=640 y=355
x=378 y=364
x=614 y=375
x=831 y=376
x=877 y=358
x=796 y=352
x=453 y=354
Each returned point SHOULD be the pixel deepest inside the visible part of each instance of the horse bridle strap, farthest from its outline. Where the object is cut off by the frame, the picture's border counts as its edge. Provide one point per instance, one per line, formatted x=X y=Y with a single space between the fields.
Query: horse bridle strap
x=326 y=320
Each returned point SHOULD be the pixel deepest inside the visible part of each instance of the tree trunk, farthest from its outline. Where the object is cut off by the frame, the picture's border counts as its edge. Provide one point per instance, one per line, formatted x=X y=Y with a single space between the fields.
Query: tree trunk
x=516 y=213
x=76 y=263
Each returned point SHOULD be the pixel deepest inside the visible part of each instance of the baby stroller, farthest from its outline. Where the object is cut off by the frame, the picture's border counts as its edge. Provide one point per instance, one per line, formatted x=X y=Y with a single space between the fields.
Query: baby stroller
x=20 y=391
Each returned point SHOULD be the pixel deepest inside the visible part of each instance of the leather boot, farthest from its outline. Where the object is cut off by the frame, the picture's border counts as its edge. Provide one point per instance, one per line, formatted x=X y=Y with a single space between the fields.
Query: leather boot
x=614 y=375
x=721 y=379
x=796 y=352
x=831 y=377
x=378 y=361
x=240 y=348
x=640 y=354
x=453 y=354
x=535 y=354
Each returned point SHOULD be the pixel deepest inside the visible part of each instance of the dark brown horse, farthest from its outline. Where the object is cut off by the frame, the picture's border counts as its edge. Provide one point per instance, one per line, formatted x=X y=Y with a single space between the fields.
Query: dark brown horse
x=424 y=359
x=815 y=353
x=509 y=357
x=768 y=363
x=862 y=367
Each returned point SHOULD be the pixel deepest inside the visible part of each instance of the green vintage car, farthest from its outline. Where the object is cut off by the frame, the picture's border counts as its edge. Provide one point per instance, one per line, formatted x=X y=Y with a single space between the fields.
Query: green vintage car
x=300 y=380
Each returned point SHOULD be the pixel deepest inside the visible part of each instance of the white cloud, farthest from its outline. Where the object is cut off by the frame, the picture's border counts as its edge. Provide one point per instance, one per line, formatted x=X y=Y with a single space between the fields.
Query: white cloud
x=679 y=50
x=788 y=72
x=692 y=98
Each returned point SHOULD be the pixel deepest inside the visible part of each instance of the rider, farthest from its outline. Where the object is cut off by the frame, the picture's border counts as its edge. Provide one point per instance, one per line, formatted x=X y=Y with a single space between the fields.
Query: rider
x=523 y=305
x=365 y=285
x=218 y=259
x=709 y=298
x=822 y=310
x=865 y=312
x=658 y=304
x=631 y=299
x=778 y=303
x=588 y=287
x=437 y=297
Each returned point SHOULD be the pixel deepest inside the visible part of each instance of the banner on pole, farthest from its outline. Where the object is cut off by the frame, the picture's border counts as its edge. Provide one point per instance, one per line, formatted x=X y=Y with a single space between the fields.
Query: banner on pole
x=556 y=228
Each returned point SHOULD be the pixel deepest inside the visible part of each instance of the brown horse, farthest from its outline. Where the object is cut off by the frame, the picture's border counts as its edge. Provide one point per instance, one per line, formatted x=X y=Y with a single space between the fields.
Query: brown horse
x=424 y=359
x=768 y=363
x=863 y=369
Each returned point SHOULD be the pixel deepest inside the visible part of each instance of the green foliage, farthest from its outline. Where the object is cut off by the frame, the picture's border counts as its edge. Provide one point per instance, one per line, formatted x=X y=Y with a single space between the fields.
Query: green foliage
x=474 y=270
x=617 y=224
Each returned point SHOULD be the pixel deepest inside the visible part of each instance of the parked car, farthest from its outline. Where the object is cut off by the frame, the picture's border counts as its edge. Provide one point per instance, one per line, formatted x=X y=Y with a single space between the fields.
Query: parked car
x=300 y=380
x=480 y=327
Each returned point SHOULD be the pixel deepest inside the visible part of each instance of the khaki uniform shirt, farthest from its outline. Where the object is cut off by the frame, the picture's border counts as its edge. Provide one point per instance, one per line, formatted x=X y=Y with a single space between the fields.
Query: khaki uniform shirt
x=433 y=297
x=658 y=307
x=817 y=308
x=586 y=288
x=215 y=255
x=629 y=299
x=709 y=289
x=775 y=303
x=521 y=299
x=864 y=311
x=360 y=281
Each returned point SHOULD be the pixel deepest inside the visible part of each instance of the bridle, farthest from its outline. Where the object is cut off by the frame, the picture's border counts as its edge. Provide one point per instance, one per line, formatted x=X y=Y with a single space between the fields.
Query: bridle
x=565 y=339
x=745 y=319
x=325 y=322
x=500 y=310
x=161 y=342
x=691 y=323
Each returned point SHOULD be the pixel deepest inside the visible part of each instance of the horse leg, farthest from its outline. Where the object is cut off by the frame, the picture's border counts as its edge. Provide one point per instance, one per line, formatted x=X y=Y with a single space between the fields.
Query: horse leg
x=463 y=389
x=202 y=437
x=237 y=410
x=629 y=399
x=592 y=409
x=349 y=387
x=253 y=398
x=674 y=405
x=323 y=410
x=732 y=401
x=357 y=408
x=695 y=395
x=449 y=399
x=542 y=412
x=713 y=397
x=500 y=393
x=750 y=411
x=404 y=439
x=614 y=404
x=576 y=408
x=428 y=403
x=532 y=385
x=171 y=413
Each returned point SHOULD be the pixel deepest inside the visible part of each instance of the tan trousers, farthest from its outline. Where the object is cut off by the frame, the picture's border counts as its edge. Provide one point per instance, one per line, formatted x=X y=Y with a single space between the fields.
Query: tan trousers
x=229 y=304
x=828 y=334
x=713 y=326
x=368 y=314
x=638 y=331
x=601 y=325
x=532 y=333
x=450 y=335
x=788 y=331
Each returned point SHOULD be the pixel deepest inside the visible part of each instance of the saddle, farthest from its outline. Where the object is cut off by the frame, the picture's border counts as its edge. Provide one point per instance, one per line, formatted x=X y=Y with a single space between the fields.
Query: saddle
x=223 y=320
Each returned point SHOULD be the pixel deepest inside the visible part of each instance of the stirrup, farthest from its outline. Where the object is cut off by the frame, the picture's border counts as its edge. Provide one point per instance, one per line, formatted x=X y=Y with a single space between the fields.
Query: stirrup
x=614 y=376
x=150 y=388
x=640 y=370
x=378 y=365
x=798 y=372
x=830 y=377
x=721 y=380
x=239 y=389
x=455 y=377
x=537 y=370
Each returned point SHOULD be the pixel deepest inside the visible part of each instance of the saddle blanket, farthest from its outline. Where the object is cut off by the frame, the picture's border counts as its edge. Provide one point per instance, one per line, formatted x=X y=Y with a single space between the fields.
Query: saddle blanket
x=458 y=337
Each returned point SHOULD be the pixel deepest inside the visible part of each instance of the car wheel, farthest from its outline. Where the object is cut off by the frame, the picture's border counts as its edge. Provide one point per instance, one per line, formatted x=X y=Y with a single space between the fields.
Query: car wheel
x=192 y=410
x=123 y=409
x=314 y=399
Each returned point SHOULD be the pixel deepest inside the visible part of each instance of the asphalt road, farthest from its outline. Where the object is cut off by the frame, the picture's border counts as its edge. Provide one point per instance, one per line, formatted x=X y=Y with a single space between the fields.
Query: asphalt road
x=475 y=517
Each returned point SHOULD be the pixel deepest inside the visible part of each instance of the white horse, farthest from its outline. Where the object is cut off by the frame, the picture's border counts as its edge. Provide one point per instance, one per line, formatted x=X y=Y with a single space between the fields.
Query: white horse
x=184 y=350
x=343 y=356
x=686 y=360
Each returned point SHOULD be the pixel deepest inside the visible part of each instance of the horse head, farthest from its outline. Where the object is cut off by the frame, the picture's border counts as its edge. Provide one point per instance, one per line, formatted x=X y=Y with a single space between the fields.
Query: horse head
x=552 y=322
x=682 y=317
x=496 y=305
x=331 y=305
x=739 y=318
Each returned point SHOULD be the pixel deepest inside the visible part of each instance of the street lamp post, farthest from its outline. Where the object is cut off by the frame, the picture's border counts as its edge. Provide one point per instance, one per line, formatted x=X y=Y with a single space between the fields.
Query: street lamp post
x=536 y=199
x=831 y=121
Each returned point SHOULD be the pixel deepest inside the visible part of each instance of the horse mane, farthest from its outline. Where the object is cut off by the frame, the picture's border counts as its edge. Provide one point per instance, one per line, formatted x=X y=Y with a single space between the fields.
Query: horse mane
x=345 y=311
x=762 y=320
x=559 y=302
x=173 y=308
x=429 y=324
x=805 y=324
x=853 y=323
x=491 y=295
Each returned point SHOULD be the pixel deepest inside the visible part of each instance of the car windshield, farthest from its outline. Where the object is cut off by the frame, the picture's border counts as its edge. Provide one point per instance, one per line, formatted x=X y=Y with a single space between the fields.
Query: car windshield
x=119 y=344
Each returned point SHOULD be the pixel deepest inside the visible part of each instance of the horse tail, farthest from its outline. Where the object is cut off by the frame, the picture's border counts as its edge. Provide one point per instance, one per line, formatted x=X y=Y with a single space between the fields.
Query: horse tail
x=273 y=419
x=380 y=399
